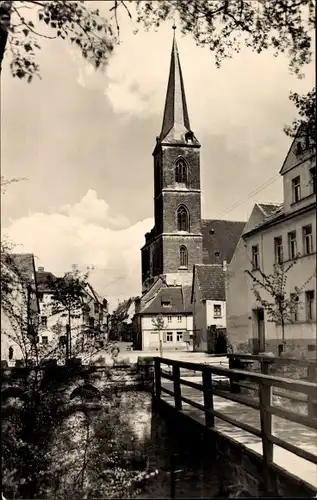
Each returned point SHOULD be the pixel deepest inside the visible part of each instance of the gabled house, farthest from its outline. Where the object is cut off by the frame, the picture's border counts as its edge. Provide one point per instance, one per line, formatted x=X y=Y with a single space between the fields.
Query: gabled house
x=19 y=306
x=172 y=304
x=208 y=298
x=282 y=235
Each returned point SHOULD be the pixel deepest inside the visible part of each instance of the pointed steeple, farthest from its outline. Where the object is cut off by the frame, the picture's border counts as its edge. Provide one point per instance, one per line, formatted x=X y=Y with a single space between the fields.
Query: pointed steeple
x=175 y=120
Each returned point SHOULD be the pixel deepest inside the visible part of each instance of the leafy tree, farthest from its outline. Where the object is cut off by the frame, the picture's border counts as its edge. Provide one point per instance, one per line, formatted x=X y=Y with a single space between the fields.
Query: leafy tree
x=158 y=325
x=286 y=26
x=74 y=21
x=305 y=125
x=270 y=293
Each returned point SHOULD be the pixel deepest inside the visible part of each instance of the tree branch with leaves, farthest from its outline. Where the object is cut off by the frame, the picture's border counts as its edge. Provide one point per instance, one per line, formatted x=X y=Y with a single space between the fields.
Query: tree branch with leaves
x=224 y=26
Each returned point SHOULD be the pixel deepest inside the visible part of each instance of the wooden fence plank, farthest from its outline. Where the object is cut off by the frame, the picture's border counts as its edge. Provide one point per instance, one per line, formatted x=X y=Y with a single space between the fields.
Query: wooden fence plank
x=177 y=387
x=157 y=371
x=208 y=398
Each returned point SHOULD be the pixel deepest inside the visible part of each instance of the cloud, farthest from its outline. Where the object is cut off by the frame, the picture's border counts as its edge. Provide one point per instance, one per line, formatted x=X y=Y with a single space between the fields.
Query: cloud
x=84 y=234
x=92 y=209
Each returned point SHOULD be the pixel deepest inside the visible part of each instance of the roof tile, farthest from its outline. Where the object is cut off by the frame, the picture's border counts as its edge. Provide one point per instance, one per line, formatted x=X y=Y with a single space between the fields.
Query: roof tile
x=211 y=281
x=178 y=296
x=220 y=238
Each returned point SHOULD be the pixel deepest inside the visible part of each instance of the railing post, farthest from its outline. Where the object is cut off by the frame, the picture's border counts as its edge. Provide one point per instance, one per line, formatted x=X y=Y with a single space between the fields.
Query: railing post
x=177 y=387
x=234 y=384
x=311 y=404
x=208 y=397
x=265 y=397
x=157 y=370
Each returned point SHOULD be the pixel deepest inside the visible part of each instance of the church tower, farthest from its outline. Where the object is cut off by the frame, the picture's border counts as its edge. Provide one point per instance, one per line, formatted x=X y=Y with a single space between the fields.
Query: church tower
x=175 y=243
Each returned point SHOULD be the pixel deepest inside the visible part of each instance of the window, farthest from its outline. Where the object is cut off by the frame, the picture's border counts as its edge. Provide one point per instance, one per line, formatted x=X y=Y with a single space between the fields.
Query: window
x=312 y=173
x=179 y=319
x=292 y=245
x=91 y=321
x=217 y=311
x=10 y=353
x=40 y=296
x=310 y=297
x=96 y=308
x=44 y=339
x=183 y=257
x=296 y=189
x=181 y=171
x=278 y=250
x=294 y=306
x=255 y=257
x=166 y=303
x=182 y=219
x=179 y=337
x=169 y=337
x=308 y=239
x=44 y=320
x=169 y=319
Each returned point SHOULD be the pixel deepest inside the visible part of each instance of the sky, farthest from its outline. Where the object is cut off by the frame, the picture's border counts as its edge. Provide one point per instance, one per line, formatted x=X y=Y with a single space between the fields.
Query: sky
x=84 y=141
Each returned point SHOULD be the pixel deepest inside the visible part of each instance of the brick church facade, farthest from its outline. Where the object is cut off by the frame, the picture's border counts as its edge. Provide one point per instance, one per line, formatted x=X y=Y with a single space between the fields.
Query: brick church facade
x=180 y=238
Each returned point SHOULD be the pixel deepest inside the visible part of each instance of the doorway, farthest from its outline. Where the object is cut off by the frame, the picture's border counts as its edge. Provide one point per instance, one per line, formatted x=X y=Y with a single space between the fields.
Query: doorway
x=259 y=330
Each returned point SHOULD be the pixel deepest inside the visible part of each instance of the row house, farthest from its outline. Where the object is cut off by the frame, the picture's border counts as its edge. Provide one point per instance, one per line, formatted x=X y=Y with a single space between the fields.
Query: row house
x=91 y=317
x=19 y=306
x=278 y=236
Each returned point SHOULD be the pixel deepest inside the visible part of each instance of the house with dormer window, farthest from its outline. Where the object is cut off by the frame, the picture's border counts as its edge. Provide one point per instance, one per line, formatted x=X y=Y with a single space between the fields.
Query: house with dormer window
x=278 y=234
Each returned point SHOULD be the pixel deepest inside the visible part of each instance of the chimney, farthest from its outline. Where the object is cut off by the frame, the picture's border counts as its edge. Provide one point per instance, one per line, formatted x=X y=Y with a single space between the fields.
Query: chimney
x=40 y=269
x=224 y=265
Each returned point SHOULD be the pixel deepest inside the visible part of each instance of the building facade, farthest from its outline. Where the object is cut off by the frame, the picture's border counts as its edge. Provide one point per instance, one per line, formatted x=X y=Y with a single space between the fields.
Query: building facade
x=282 y=238
x=166 y=320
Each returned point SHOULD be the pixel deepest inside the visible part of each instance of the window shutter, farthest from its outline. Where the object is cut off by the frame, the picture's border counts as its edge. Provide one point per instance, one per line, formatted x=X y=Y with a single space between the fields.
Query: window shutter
x=164 y=336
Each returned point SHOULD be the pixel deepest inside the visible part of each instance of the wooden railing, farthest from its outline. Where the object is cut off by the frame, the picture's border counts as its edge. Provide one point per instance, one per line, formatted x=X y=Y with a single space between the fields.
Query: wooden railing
x=310 y=366
x=263 y=404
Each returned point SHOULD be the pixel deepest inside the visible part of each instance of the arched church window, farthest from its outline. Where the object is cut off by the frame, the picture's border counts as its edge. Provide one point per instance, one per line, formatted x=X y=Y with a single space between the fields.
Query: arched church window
x=181 y=171
x=182 y=219
x=183 y=256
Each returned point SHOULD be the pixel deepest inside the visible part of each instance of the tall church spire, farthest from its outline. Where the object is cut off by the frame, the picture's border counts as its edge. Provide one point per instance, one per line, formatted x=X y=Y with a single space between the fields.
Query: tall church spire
x=175 y=119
